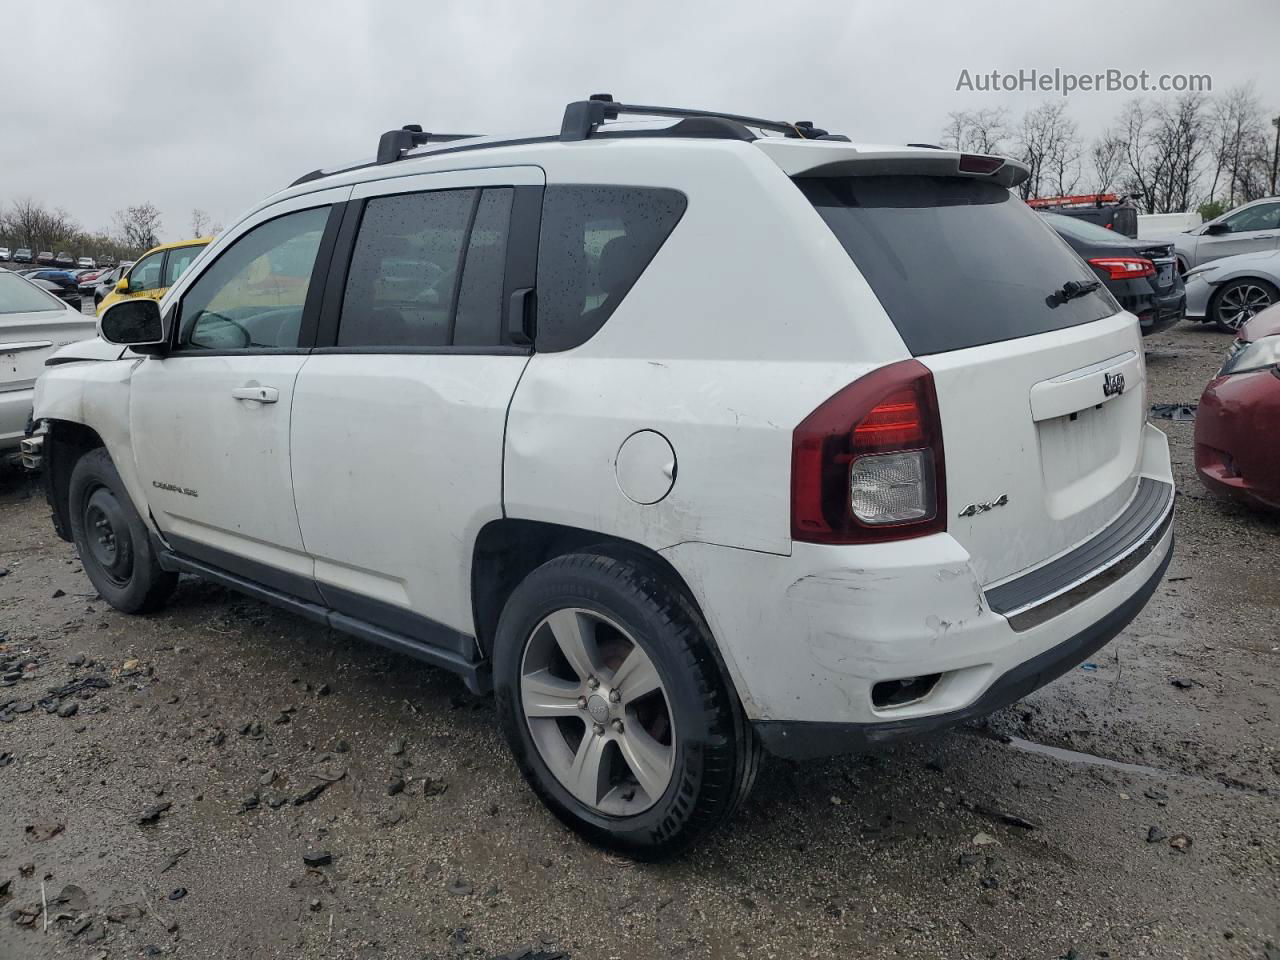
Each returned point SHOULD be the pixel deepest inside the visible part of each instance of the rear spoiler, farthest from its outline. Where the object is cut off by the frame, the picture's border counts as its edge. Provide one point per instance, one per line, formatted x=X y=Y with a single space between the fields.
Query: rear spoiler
x=808 y=158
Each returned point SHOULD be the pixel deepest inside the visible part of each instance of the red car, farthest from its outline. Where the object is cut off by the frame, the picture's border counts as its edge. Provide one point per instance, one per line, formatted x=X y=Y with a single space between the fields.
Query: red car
x=1236 y=451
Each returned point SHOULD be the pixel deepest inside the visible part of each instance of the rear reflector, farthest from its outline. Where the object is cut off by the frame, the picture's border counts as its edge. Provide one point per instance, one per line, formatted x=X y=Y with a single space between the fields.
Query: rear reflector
x=1125 y=268
x=867 y=465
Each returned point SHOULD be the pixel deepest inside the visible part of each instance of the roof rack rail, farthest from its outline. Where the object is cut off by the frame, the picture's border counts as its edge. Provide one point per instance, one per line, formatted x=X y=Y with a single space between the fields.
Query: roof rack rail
x=393 y=143
x=583 y=117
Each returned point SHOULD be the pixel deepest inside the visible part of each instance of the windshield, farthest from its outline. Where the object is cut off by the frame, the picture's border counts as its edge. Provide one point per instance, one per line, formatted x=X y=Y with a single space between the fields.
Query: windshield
x=19 y=296
x=955 y=262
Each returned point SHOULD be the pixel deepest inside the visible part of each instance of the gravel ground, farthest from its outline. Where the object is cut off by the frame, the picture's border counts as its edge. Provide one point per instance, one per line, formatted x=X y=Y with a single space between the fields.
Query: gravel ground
x=164 y=779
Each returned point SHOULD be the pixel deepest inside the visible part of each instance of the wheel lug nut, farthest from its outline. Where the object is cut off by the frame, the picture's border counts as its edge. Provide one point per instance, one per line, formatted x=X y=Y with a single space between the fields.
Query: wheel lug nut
x=599 y=729
x=582 y=703
x=617 y=726
x=615 y=696
x=593 y=683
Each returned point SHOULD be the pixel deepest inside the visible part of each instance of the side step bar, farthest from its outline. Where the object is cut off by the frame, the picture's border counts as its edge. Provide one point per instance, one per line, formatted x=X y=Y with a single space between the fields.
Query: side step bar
x=475 y=675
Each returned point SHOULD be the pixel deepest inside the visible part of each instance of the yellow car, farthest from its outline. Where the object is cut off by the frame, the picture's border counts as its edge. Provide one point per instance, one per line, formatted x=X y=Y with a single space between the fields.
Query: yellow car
x=155 y=271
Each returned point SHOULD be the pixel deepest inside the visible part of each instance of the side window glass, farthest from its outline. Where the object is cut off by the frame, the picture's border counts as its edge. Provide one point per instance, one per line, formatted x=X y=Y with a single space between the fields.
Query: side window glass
x=594 y=243
x=479 y=319
x=253 y=294
x=1261 y=217
x=178 y=262
x=145 y=274
x=404 y=270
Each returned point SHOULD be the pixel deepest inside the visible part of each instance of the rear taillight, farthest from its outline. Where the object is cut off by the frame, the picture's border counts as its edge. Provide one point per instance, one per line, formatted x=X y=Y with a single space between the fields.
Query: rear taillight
x=979 y=163
x=867 y=465
x=1125 y=268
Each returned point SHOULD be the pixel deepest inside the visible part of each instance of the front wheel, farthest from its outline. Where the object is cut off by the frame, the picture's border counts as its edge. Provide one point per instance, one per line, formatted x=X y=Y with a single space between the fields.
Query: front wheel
x=1239 y=300
x=614 y=705
x=112 y=540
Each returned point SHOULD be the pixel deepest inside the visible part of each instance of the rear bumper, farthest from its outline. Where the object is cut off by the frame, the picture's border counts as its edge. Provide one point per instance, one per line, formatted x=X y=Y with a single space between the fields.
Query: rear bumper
x=833 y=648
x=15 y=413
x=804 y=741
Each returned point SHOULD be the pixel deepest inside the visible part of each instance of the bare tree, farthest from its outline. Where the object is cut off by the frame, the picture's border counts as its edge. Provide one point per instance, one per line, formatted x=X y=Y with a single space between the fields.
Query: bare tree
x=977 y=131
x=1107 y=159
x=1165 y=146
x=28 y=223
x=199 y=222
x=138 y=227
x=1239 y=141
x=1048 y=142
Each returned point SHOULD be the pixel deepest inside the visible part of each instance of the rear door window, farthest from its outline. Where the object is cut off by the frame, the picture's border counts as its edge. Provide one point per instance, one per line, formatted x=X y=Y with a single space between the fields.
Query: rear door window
x=595 y=242
x=955 y=262
x=427 y=270
x=179 y=259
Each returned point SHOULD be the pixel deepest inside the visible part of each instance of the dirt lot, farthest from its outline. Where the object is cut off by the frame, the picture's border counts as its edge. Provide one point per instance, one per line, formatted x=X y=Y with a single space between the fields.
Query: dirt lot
x=163 y=778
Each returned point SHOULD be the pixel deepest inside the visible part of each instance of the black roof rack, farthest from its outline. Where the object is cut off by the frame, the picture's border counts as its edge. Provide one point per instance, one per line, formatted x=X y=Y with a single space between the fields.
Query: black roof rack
x=583 y=117
x=581 y=120
x=393 y=143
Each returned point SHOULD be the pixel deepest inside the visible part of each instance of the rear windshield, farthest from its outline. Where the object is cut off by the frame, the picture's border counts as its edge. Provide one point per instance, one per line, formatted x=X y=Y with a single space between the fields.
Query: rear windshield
x=955 y=262
x=1082 y=229
x=19 y=296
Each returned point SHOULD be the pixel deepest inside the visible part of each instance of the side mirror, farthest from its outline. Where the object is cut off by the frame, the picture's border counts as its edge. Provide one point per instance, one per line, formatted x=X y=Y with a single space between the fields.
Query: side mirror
x=123 y=285
x=1216 y=229
x=132 y=323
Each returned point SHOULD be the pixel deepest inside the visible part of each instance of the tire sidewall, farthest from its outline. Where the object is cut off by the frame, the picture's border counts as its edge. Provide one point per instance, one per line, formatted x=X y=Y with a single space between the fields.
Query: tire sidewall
x=92 y=471
x=554 y=587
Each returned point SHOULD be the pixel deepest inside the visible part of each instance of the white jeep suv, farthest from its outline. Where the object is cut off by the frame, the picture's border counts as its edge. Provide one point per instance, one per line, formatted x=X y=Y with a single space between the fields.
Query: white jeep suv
x=686 y=438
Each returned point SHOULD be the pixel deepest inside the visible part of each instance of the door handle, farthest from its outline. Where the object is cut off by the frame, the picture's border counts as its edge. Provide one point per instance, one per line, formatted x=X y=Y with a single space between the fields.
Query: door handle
x=257 y=394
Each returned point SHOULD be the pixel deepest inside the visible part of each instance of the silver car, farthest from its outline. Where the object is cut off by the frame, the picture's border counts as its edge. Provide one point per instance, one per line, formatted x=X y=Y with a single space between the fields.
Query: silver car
x=1251 y=228
x=33 y=324
x=1229 y=290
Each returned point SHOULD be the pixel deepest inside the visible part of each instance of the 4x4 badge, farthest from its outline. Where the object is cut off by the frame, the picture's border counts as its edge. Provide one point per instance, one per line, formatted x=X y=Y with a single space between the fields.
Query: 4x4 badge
x=973 y=509
x=1112 y=384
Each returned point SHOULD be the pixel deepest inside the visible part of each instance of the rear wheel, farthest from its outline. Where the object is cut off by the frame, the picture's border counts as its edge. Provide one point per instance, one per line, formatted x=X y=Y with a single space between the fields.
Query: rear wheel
x=612 y=701
x=1239 y=300
x=112 y=540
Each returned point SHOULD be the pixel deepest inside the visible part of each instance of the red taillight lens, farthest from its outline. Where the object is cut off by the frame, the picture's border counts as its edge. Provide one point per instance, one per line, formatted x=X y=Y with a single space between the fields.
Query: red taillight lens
x=867 y=465
x=1125 y=268
x=978 y=163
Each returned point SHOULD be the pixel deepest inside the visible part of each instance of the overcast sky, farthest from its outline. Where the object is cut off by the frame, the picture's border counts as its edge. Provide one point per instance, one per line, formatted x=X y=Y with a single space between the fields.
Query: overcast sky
x=217 y=104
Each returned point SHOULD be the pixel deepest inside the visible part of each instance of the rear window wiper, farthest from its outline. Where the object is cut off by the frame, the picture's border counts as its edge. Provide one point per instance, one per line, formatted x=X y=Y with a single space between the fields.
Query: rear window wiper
x=1074 y=289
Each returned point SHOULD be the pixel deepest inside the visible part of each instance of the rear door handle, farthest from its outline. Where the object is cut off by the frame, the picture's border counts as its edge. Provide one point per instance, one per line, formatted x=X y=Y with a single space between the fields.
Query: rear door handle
x=257 y=394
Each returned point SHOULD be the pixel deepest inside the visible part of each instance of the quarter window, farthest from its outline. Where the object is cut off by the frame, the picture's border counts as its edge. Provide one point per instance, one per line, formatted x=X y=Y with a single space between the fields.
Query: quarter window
x=594 y=244
x=145 y=274
x=253 y=295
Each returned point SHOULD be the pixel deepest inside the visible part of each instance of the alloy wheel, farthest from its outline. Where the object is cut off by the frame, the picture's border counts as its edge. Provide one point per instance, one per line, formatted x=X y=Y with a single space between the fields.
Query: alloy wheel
x=597 y=711
x=1239 y=304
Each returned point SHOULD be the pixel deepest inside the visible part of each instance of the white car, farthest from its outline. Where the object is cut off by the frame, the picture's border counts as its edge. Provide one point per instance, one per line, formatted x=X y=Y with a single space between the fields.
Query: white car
x=33 y=325
x=686 y=439
x=1229 y=291
x=85 y=263
x=4 y=253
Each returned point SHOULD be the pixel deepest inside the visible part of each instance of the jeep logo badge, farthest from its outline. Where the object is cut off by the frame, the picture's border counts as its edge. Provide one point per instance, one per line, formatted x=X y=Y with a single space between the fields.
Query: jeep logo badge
x=1112 y=384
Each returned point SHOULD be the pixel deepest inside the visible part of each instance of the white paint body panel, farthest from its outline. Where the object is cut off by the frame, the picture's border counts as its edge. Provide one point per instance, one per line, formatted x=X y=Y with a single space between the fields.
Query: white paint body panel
x=750 y=316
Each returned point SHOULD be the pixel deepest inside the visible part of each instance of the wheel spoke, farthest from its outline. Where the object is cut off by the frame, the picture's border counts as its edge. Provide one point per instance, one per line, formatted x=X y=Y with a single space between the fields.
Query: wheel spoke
x=587 y=777
x=636 y=676
x=545 y=695
x=649 y=760
x=568 y=628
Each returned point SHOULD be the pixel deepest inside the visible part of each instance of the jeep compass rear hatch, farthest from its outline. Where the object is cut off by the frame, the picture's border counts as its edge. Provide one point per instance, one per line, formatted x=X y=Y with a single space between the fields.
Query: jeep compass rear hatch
x=1039 y=377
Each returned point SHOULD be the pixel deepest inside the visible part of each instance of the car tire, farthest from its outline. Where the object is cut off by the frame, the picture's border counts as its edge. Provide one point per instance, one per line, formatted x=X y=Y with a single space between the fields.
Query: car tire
x=1236 y=301
x=637 y=627
x=114 y=544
